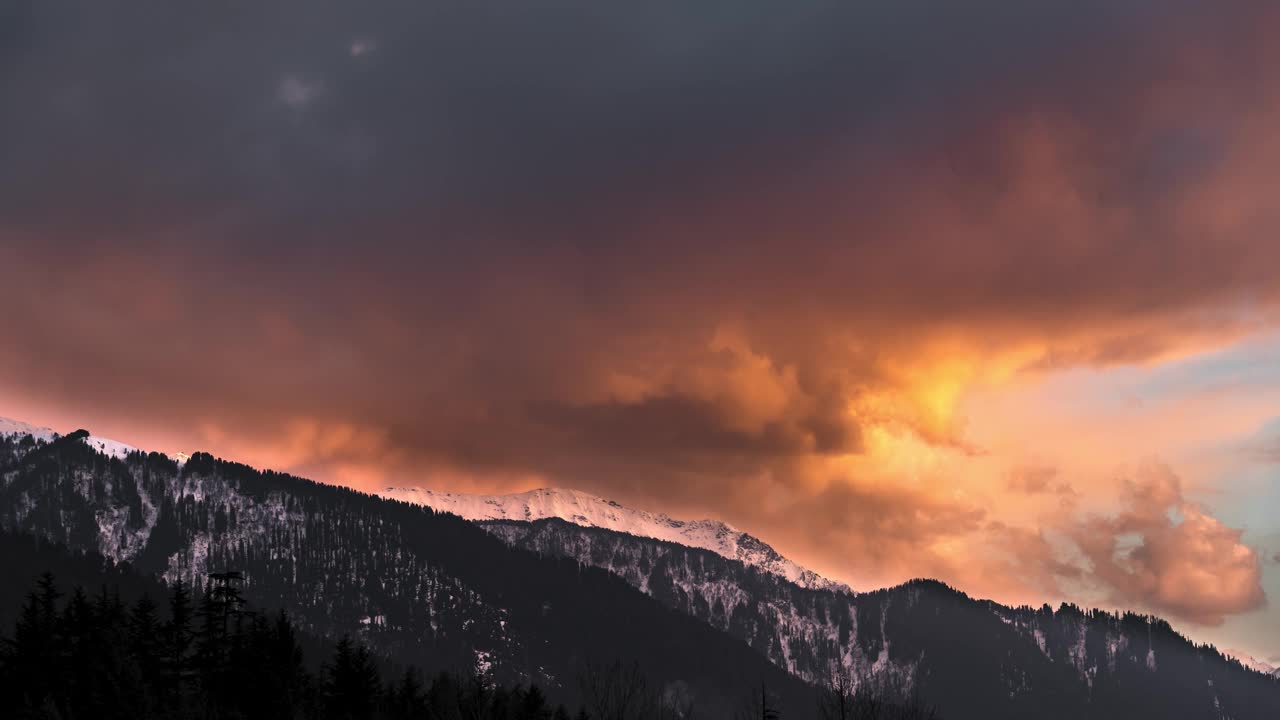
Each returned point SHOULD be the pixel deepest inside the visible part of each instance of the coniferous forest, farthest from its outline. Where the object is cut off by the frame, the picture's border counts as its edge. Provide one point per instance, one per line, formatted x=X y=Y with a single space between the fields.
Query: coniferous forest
x=133 y=648
x=206 y=655
x=421 y=588
x=72 y=655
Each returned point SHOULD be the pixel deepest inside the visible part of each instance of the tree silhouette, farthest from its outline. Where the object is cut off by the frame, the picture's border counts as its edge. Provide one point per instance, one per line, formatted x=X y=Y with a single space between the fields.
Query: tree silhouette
x=881 y=697
x=759 y=705
x=351 y=684
x=176 y=642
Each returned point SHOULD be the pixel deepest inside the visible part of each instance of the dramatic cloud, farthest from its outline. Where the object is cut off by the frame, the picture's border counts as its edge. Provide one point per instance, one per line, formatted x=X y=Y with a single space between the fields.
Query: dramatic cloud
x=746 y=260
x=1170 y=555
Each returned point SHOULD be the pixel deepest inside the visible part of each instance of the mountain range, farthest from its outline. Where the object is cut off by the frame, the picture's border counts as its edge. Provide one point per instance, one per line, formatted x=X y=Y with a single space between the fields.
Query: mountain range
x=585 y=510
x=537 y=586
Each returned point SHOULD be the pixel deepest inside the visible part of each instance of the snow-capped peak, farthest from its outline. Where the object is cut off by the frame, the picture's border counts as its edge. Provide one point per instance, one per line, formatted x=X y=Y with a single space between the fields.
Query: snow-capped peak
x=106 y=446
x=589 y=510
x=15 y=427
x=1252 y=662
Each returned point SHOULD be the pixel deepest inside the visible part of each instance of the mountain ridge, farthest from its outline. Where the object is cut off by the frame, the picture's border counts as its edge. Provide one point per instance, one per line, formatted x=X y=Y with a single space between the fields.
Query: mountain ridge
x=1252 y=662
x=587 y=510
x=424 y=588
x=925 y=635
x=568 y=504
x=106 y=446
x=534 y=598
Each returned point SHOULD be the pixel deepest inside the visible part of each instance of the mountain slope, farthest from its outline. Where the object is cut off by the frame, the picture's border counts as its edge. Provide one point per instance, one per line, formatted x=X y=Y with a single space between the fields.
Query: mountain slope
x=536 y=600
x=975 y=659
x=24 y=558
x=588 y=510
x=423 y=588
x=18 y=429
x=1251 y=662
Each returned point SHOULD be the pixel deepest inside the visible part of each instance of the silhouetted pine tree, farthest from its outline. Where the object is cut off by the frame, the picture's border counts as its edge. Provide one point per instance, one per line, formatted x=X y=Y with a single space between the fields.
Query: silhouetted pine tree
x=759 y=705
x=176 y=671
x=351 y=685
x=31 y=656
x=533 y=705
x=407 y=700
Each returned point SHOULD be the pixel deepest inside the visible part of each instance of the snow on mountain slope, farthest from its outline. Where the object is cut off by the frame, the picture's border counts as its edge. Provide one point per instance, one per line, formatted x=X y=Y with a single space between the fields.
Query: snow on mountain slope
x=114 y=448
x=1252 y=662
x=588 y=510
x=14 y=427
x=106 y=446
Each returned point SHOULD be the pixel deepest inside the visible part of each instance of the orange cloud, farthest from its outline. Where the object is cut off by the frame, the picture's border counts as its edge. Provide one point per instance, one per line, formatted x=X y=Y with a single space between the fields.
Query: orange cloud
x=1194 y=567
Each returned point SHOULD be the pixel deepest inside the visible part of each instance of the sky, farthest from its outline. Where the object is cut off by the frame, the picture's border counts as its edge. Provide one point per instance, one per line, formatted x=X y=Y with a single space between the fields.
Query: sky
x=984 y=292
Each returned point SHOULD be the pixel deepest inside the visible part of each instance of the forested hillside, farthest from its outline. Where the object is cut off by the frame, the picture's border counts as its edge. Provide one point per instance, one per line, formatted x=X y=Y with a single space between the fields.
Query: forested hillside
x=112 y=644
x=541 y=603
x=422 y=588
x=974 y=659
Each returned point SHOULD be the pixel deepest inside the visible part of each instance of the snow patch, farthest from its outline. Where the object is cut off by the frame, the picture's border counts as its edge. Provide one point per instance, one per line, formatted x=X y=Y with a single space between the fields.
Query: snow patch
x=484 y=663
x=110 y=448
x=1038 y=634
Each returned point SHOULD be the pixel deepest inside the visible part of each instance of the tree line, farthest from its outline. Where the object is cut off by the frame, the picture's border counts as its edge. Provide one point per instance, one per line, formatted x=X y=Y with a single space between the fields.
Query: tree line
x=205 y=656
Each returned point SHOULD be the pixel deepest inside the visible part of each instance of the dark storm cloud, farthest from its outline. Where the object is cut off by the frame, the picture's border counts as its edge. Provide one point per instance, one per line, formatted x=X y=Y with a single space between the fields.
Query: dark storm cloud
x=305 y=111
x=689 y=251
x=513 y=202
